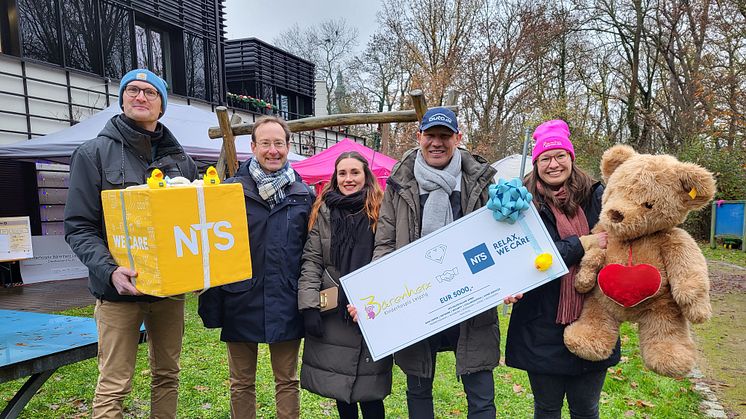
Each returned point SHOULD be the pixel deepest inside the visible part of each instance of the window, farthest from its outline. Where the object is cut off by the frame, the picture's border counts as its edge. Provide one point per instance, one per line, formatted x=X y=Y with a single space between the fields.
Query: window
x=116 y=38
x=82 y=49
x=8 y=28
x=282 y=103
x=195 y=66
x=152 y=46
x=39 y=30
x=214 y=74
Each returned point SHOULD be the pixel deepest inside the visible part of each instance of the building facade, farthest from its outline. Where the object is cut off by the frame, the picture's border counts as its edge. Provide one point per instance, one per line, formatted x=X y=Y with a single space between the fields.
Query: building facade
x=262 y=73
x=61 y=60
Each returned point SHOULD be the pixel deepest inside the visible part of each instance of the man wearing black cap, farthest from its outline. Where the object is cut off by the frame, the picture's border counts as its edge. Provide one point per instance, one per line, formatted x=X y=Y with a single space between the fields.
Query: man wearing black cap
x=432 y=186
x=129 y=147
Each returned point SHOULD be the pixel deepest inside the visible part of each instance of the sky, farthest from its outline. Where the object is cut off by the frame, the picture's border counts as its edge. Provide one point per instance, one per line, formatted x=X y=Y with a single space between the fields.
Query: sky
x=267 y=19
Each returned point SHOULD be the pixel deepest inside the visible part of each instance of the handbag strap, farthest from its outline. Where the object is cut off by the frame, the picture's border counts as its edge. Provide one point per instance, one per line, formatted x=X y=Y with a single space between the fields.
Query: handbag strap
x=332 y=272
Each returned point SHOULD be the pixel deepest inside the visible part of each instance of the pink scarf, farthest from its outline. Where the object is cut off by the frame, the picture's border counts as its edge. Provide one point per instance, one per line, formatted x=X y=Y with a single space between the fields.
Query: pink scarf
x=570 y=301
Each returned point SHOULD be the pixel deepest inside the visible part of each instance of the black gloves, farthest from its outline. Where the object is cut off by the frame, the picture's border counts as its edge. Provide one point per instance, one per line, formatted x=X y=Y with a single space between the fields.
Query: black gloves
x=342 y=305
x=312 y=322
x=342 y=300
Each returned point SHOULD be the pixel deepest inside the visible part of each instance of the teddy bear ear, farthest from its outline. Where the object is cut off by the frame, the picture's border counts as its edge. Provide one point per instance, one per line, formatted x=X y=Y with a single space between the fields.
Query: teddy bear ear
x=697 y=185
x=613 y=158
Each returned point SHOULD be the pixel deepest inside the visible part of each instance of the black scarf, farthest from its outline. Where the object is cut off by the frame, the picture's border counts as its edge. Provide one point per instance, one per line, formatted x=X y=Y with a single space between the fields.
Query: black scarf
x=153 y=136
x=352 y=237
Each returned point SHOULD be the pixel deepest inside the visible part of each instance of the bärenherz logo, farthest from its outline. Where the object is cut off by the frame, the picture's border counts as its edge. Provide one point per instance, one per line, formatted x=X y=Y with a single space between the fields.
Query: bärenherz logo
x=478 y=258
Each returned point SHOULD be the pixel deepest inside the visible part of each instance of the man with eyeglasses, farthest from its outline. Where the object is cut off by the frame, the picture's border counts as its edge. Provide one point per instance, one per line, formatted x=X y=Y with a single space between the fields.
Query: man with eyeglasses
x=263 y=309
x=126 y=151
x=433 y=185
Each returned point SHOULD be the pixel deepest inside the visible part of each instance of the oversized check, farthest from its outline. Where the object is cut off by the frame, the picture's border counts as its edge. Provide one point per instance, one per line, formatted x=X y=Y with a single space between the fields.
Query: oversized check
x=448 y=276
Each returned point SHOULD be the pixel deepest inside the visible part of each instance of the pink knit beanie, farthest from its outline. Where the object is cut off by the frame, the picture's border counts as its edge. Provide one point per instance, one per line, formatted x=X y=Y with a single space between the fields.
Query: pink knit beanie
x=552 y=135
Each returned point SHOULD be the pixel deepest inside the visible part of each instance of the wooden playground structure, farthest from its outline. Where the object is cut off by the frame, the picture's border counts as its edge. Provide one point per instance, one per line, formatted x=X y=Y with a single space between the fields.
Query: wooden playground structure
x=231 y=127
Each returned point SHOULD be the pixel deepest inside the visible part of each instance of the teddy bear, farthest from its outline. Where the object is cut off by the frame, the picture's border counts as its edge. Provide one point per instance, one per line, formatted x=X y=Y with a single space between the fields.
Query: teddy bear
x=651 y=273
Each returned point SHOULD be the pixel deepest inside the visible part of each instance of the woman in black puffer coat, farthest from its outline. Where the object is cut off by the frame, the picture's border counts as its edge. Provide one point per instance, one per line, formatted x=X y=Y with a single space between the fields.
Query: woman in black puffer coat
x=336 y=361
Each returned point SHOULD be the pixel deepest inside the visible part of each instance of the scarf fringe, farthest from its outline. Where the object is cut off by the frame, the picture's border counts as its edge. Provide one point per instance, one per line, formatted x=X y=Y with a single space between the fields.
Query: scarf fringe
x=570 y=300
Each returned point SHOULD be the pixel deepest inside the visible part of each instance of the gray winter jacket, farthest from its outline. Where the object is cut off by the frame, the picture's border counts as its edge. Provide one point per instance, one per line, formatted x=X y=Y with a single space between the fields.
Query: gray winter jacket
x=478 y=347
x=119 y=157
x=337 y=365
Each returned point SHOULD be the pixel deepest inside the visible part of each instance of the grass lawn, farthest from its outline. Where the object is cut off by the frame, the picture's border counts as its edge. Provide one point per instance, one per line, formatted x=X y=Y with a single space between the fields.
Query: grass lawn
x=722 y=340
x=629 y=391
x=733 y=256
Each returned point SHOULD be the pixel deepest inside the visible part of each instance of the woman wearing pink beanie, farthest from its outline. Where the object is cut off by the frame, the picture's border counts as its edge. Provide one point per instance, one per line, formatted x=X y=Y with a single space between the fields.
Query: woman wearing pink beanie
x=569 y=202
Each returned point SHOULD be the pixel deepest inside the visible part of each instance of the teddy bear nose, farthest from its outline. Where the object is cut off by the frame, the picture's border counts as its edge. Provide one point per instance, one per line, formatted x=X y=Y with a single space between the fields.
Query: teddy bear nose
x=616 y=216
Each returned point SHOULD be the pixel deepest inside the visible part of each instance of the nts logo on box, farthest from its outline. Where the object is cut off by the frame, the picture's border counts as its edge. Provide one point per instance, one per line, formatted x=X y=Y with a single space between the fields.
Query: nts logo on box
x=478 y=258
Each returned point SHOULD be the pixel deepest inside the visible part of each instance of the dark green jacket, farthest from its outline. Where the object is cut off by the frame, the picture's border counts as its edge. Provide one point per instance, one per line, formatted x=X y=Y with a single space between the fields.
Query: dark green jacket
x=399 y=223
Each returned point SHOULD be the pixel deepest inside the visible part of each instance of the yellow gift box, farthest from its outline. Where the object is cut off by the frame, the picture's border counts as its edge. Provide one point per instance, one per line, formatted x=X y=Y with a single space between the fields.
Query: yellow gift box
x=180 y=238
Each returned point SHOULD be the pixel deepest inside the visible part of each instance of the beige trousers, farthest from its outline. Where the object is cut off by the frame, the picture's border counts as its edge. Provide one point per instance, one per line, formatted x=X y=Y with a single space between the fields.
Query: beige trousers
x=118 y=326
x=242 y=359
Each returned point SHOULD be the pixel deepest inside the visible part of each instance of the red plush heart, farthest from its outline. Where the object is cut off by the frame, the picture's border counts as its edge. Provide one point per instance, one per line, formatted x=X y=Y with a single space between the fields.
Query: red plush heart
x=628 y=286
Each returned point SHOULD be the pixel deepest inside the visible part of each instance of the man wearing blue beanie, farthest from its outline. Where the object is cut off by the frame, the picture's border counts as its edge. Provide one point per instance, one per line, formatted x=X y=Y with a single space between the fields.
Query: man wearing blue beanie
x=144 y=76
x=125 y=152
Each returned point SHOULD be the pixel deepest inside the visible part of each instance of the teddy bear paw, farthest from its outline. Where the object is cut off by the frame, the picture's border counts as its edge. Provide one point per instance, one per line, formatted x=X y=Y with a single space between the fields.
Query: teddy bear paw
x=699 y=313
x=585 y=342
x=657 y=356
x=585 y=280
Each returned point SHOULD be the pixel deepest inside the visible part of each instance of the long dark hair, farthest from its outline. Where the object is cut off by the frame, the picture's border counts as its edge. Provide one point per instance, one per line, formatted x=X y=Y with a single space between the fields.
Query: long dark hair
x=578 y=187
x=373 y=198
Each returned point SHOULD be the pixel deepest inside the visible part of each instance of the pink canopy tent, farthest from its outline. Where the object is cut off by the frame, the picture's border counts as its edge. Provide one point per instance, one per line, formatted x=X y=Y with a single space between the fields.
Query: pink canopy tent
x=317 y=170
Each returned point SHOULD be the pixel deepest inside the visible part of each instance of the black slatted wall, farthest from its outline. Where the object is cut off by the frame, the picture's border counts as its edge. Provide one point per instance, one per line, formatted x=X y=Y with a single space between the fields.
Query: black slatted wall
x=19 y=192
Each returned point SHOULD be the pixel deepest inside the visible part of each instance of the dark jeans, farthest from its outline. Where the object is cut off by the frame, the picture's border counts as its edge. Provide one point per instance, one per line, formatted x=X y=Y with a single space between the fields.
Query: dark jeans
x=582 y=391
x=371 y=410
x=479 y=388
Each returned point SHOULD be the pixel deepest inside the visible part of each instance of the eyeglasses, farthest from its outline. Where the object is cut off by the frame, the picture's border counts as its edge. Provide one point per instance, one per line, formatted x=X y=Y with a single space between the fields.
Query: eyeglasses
x=560 y=158
x=266 y=145
x=134 y=91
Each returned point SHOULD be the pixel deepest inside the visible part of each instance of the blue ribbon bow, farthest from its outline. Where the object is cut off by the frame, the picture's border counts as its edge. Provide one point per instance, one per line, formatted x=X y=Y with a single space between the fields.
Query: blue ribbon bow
x=508 y=198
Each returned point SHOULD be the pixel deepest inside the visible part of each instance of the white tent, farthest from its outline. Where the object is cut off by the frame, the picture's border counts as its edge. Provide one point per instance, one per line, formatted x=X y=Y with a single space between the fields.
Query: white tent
x=188 y=124
x=510 y=167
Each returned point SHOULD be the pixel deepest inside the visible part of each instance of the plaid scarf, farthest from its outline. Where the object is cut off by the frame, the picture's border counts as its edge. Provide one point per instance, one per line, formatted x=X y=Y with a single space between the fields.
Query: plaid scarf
x=271 y=185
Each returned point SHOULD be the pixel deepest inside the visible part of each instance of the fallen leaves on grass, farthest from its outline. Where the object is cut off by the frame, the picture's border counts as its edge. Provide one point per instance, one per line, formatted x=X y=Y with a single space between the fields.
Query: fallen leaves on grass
x=604 y=398
x=616 y=374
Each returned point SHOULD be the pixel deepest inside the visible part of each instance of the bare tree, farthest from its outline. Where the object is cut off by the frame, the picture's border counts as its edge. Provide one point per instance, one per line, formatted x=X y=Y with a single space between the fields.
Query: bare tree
x=436 y=36
x=380 y=72
x=496 y=74
x=328 y=45
x=725 y=58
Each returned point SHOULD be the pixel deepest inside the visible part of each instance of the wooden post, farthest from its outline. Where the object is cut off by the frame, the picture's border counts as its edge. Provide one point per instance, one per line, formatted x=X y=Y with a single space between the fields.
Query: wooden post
x=452 y=98
x=420 y=106
x=385 y=137
x=228 y=159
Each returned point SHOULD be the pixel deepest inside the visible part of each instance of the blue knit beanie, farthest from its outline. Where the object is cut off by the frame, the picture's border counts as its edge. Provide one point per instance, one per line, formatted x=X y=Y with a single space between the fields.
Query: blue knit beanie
x=147 y=76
